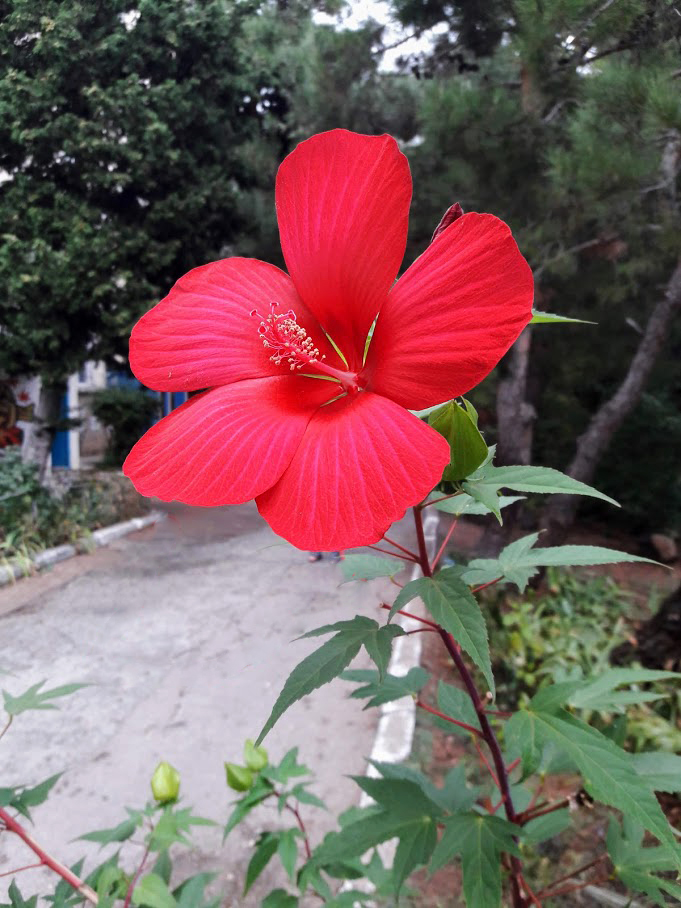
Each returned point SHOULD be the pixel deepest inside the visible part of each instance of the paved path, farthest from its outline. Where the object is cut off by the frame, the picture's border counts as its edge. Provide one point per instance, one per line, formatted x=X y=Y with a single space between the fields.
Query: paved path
x=184 y=631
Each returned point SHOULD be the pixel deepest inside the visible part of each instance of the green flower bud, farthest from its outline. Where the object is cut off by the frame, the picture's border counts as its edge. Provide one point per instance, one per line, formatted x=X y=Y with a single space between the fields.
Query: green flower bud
x=255 y=757
x=165 y=783
x=239 y=778
x=459 y=425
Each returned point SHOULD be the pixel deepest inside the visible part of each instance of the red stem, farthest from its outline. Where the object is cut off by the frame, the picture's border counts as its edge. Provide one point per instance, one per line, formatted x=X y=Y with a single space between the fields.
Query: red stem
x=569 y=876
x=489 y=769
x=533 y=814
x=133 y=881
x=479 y=706
x=6 y=726
x=392 y=554
x=483 y=586
x=442 y=547
x=567 y=889
x=75 y=882
x=435 y=627
x=401 y=547
x=301 y=826
x=436 y=712
x=443 y=498
x=19 y=869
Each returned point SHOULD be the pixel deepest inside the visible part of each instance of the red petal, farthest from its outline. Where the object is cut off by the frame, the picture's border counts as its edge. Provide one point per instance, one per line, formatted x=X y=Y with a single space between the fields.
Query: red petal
x=362 y=462
x=452 y=315
x=228 y=445
x=202 y=334
x=343 y=207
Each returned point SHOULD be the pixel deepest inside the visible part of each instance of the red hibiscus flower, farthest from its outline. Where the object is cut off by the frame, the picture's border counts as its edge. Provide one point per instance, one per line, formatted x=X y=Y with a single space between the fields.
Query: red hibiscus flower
x=300 y=414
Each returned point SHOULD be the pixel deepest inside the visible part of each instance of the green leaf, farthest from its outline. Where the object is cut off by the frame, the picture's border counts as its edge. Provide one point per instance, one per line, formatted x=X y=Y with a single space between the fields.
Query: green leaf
x=468 y=448
x=173 y=826
x=163 y=866
x=120 y=833
x=379 y=646
x=636 y=866
x=453 y=606
x=600 y=693
x=546 y=827
x=661 y=771
x=261 y=790
x=521 y=478
x=392 y=687
x=414 y=827
x=288 y=768
x=190 y=893
x=287 y=849
x=16 y=900
x=456 y=703
x=520 y=561
x=465 y=505
x=608 y=773
x=414 y=849
x=35 y=698
x=153 y=892
x=327 y=663
x=401 y=796
x=265 y=850
x=479 y=840
x=279 y=898
x=23 y=799
x=548 y=318
x=300 y=793
x=369 y=567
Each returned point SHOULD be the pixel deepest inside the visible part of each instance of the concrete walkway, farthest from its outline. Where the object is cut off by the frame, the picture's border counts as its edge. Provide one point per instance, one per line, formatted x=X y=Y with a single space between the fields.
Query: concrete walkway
x=184 y=631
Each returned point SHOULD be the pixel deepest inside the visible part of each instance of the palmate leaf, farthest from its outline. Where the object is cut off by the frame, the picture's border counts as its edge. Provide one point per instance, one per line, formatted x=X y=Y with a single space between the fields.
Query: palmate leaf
x=479 y=840
x=520 y=561
x=264 y=852
x=120 y=833
x=407 y=814
x=487 y=482
x=465 y=505
x=22 y=799
x=456 y=703
x=607 y=771
x=369 y=567
x=661 y=771
x=153 y=892
x=16 y=899
x=327 y=662
x=392 y=687
x=601 y=694
x=36 y=698
x=637 y=866
x=453 y=606
x=190 y=893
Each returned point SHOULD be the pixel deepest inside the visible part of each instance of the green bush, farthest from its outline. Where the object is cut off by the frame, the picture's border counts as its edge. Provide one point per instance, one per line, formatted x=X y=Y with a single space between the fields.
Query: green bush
x=127 y=413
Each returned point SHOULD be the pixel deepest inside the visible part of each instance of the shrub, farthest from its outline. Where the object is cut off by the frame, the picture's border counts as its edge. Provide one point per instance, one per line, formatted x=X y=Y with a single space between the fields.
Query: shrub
x=127 y=413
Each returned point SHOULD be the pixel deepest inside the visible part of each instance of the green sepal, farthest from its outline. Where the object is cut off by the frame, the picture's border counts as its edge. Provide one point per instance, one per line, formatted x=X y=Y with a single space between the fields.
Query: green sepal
x=459 y=426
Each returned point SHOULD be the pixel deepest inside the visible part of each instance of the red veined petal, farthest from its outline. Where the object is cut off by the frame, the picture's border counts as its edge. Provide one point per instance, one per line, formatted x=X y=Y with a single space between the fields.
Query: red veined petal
x=227 y=445
x=203 y=334
x=362 y=462
x=343 y=207
x=452 y=315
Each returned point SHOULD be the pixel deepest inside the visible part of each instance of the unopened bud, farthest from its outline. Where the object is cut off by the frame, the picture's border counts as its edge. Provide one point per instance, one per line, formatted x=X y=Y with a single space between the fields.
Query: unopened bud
x=165 y=783
x=453 y=213
x=239 y=778
x=255 y=757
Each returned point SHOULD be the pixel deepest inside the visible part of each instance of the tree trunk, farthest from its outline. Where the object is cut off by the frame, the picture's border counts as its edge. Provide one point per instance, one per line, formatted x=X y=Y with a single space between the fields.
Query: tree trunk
x=38 y=440
x=515 y=415
x=561 y=509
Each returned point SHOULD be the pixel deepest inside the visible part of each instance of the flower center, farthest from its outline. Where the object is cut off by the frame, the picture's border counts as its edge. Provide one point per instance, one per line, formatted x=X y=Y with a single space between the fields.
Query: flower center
x=289 y=343
x=281 y=333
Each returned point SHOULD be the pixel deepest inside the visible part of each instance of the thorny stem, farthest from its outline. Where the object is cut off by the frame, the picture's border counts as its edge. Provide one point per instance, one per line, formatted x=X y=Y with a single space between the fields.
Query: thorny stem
x=490 y=738
x=436 y=712
x=444 y=544
x=11 y=825
x=301 y=826
x=400 y=547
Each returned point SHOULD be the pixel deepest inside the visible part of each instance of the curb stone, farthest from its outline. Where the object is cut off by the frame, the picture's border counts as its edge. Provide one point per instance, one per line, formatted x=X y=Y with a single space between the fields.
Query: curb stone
x=16 y=569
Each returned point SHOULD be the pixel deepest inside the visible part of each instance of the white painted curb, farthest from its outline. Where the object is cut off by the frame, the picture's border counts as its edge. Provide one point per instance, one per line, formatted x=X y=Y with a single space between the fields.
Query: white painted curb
x=18 y=568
